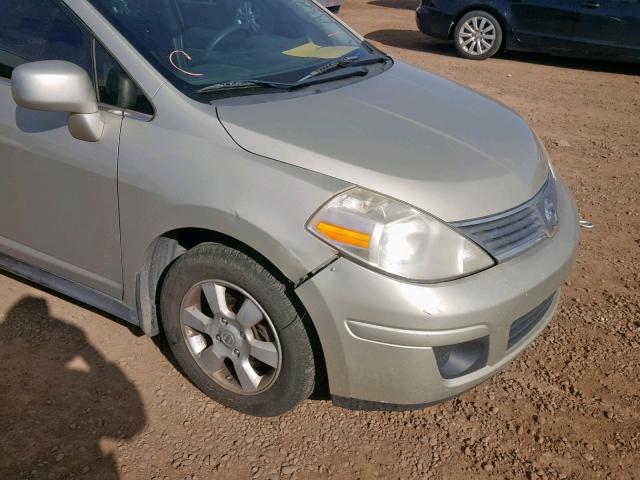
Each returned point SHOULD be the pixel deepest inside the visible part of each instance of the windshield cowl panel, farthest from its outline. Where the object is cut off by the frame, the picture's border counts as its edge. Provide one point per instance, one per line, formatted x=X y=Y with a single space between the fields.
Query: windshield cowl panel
x=198 y=43
x=254 y=96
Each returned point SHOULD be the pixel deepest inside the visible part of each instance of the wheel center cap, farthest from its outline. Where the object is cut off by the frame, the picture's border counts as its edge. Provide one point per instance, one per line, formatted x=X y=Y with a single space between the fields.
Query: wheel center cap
x=228 y=339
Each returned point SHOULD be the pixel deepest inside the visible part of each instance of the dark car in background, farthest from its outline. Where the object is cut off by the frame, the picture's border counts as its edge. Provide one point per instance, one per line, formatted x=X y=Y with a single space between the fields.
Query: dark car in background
x=608 y=29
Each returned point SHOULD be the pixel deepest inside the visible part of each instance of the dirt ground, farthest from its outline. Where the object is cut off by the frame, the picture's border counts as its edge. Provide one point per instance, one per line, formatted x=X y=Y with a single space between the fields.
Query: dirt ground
x=83 y=396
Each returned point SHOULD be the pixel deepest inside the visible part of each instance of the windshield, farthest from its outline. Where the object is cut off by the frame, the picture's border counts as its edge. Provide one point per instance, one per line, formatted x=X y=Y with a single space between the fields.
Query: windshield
x=195 y=43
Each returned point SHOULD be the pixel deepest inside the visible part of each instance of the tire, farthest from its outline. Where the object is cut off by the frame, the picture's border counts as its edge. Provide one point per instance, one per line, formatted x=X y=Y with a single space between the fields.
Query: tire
x=474 y=31
x=191 y=298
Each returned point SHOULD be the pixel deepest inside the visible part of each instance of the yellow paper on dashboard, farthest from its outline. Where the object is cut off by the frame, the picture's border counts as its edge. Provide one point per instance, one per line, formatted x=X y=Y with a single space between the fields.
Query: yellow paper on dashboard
x=311 y=50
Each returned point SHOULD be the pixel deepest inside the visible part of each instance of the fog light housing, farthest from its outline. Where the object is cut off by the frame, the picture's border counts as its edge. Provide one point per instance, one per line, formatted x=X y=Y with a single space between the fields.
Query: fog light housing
x=462 y=358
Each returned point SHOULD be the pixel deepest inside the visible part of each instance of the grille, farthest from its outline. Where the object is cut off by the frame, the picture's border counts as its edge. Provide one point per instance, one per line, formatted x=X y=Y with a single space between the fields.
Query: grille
x=526 y=323
x=510 y=233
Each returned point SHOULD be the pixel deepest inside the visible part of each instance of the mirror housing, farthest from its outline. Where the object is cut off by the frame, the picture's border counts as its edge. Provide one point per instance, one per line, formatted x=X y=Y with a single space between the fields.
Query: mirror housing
x=59 y=86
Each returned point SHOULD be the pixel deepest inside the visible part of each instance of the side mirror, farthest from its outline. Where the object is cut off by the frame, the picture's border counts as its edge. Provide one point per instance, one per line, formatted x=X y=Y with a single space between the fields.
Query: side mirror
x=58 y=86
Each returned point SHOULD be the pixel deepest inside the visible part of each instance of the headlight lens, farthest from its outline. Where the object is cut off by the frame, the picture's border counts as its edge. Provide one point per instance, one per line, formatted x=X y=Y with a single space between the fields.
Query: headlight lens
x=396 y=238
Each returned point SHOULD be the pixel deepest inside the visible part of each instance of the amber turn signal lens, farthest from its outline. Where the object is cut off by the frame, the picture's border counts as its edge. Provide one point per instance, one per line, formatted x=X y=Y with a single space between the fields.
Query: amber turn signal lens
x=344 y=235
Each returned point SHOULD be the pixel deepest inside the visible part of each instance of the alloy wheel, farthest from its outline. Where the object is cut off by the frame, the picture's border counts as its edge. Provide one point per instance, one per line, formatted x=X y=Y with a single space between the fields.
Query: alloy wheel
x=230 y=337
x=477 y=35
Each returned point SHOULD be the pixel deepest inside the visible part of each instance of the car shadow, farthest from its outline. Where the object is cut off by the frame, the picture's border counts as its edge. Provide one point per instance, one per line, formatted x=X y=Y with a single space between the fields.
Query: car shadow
x=573 y=63
x=417 y=41
x=411 y=40
x=59 y=397
x=400 y=4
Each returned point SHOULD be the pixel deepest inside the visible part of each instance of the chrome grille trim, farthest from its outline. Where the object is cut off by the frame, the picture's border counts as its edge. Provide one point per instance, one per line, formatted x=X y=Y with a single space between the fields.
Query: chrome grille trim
x=510 y=233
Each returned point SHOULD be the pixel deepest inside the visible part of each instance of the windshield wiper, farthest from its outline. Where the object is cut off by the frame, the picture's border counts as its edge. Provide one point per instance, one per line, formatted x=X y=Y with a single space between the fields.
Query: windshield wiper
x=217 y=87
x=343 y=62
x=309 y=79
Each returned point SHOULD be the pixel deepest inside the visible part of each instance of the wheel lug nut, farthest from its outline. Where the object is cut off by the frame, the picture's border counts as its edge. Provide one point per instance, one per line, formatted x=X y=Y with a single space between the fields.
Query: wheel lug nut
x=243 y=335
x=218 y=337
x=236 y=352
x=224 y=321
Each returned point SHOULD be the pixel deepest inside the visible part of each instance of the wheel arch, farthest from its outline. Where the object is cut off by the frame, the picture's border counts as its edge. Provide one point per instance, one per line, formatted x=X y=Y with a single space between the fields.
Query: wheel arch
x=166 y=249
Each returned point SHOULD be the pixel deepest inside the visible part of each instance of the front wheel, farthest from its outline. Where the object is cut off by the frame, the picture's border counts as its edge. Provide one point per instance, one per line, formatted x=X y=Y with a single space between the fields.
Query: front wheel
x=236 y=334
x=477 y=35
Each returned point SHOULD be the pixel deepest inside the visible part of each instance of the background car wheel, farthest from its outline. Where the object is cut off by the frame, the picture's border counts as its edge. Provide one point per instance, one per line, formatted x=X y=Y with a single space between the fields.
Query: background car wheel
x=477 y=35
x=235 y=332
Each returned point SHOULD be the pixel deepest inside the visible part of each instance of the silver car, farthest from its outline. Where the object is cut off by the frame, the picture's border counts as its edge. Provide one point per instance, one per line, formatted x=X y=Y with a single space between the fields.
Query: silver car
x=294 y=210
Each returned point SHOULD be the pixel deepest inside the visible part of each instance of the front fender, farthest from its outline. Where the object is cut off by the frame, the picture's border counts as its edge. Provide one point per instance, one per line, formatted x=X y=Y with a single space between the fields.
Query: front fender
x=182 y=170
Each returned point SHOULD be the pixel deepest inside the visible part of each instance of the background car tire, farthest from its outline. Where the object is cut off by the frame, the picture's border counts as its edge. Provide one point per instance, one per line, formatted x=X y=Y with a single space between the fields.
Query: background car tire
x=474 y=31
x=299 y=362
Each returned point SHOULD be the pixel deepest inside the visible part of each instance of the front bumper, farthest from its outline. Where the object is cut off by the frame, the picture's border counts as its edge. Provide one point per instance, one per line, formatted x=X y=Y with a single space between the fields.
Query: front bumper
x=380 y=335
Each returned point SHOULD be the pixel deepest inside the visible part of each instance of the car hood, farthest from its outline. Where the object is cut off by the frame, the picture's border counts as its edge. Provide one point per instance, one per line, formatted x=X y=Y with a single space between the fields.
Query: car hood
x=407 y=134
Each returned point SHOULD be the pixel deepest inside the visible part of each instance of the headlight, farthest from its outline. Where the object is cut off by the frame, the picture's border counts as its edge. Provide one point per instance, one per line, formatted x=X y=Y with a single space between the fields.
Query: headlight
x=395 y=238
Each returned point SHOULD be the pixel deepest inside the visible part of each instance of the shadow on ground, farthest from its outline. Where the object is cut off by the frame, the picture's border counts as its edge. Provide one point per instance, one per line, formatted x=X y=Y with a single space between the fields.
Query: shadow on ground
x=417 y=41
x=59 y=397
x=400 y=4
x=411 y=40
